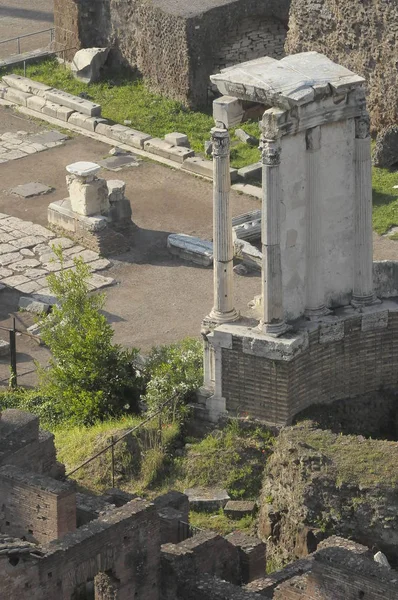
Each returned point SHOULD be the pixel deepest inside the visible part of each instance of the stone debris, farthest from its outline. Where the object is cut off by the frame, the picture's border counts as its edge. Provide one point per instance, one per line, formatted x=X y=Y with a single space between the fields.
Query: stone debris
x=29 y=190
x=118 y=161
x=27 y=272
x=190 y=248
x=236 y=509
x=87 y=64
x=382 y=559
x=208 y=147
x=207 y=499
x=33 y=306
x=240 y=269
x=177 y=139
x=4 y=348
x=246 y=138
x=253 y=171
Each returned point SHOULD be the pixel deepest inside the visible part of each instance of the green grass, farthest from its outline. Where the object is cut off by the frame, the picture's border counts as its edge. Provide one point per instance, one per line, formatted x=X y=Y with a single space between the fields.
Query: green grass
x=126 y=97
x=219 y=522
x=385 y=199
x=362 y=461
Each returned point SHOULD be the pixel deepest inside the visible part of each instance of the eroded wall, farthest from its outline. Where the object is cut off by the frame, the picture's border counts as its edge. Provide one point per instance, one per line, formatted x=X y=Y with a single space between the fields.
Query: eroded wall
x=362 y=35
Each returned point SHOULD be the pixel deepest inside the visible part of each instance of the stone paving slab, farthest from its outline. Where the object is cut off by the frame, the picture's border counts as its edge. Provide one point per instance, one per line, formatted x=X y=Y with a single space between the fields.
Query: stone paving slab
x=20 y=144
x=27 y=257
x=116 y=163
x=29 y=190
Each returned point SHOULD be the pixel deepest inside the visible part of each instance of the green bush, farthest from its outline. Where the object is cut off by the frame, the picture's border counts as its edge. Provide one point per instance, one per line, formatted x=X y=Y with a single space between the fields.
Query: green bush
x=174 y=371
x=89 y=377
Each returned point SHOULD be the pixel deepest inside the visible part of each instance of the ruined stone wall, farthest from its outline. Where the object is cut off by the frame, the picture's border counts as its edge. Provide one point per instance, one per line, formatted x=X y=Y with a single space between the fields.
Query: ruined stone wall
x=250 y=38
x=176 y=47
x=35 y=507
x=361 y=359
x=362 y=35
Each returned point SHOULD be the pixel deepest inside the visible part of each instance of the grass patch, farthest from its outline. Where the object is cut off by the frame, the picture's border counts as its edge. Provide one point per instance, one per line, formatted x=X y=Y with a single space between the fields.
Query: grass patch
x=357 y=460
x=126 y=97
x=385 y=199
x=219 y=522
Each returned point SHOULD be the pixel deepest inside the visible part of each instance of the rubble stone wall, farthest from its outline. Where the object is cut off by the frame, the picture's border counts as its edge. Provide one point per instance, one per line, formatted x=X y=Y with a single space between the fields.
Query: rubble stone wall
x=362 y=35
x=361 y=361
x=175 y=46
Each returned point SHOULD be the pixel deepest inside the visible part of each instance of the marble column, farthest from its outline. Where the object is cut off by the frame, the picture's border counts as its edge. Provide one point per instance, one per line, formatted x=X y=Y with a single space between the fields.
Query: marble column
x=363 y=293
x=315 y=294
x=223 y=310
x=272 y=321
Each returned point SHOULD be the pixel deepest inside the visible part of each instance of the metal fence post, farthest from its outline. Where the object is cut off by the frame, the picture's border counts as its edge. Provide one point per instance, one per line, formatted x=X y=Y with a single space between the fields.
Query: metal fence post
x=113 y=462
x=13 y=355
x=18 y=46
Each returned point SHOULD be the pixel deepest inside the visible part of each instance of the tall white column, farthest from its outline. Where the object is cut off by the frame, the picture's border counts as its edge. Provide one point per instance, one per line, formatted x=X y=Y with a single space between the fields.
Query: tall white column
x=272 y=321
x=315 y=294
x=363 y=293
x=223 y=310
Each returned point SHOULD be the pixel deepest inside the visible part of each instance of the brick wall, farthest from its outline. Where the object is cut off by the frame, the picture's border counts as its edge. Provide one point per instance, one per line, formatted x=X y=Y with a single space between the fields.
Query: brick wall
x=36 y=507
x=363 y=360
x=251 y=38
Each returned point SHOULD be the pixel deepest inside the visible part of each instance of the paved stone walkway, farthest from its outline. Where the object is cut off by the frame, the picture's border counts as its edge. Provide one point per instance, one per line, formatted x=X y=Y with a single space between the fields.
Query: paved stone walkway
x=26 y=258
x=19 y=144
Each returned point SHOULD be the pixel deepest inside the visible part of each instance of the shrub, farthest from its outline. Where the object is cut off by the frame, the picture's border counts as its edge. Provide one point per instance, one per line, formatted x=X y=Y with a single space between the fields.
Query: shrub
x=88 y=377
x=175 y=371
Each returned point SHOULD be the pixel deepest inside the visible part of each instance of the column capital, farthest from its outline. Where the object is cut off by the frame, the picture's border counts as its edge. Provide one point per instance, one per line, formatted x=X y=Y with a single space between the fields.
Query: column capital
x=270 y=152
x=313 y=139
x=221 y=141
x=362 y=127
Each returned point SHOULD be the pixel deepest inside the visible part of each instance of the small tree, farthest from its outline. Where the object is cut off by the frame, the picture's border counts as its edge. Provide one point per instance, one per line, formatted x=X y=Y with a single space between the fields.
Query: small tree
x=89 y=377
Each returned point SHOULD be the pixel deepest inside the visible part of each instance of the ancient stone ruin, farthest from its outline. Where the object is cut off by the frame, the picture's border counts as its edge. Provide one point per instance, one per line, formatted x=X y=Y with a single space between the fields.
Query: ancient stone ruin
x=319 y=333
x=59 y=543
x=96 y=214
x=175 y=45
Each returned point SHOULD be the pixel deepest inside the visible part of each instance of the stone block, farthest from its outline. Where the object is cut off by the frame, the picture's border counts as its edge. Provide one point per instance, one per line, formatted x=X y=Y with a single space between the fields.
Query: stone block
x=87 y=63
x=161 y=148
x=75 y=102
x=35 y=103
x=125 y=135
x=60 y=214
x=28 y=190
x=4 y=348
x=203 y=167
x=250 y=230
x=246 y=138
x=16 y=96
x=177 y=139
x=88 y=199
x=191 y=249
x=253 y=171
x=33 y=306
x=50 y=109
x=251 y=190
x=63 y=113
x=207 y=499
x=227 y=111
x=236 y=509
x=116 y=189
x=24 y=84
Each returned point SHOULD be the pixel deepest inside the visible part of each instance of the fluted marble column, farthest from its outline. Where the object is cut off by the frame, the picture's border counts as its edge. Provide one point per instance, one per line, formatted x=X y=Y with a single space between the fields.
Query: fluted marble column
x=363 y=293
x=223 y=310
x=272 y=321
x=315 y=294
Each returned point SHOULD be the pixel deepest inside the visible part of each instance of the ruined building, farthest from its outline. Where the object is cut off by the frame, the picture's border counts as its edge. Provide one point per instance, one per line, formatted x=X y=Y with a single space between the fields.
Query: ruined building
x=58 y=544
x=175 y=44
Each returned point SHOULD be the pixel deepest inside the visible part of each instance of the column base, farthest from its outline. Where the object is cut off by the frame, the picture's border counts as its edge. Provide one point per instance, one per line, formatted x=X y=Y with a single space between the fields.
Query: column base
x=361 y=301
x=313 y=314
x=219 y=318
x=274 y=329
x=215 y=406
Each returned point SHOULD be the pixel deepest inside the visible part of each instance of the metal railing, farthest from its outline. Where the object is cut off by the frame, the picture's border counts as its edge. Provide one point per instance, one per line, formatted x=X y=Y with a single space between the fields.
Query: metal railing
x=114 y=441
x=13 y=332
x=18 y=38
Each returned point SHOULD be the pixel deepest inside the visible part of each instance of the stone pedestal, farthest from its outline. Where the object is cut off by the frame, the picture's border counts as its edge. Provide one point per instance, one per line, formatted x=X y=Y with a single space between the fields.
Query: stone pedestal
x=88 y=194
x=272 y=321
x=363 y=293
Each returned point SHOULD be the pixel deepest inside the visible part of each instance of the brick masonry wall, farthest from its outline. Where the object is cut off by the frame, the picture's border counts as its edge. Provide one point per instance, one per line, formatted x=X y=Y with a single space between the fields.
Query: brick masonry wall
x=361 y=35
x=35 y=507
x=362 y=361
x=251 y=38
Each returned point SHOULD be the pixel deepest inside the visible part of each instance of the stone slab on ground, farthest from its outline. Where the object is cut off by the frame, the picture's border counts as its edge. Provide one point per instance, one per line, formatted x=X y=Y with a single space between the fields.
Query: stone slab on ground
x=116 y=163
x=48 y=137
x=33 y=306
x=28 y=190
x=236 y=509
x=207 y=499
x=4 y=348
x=177 y=153
x=253 y=171
x=190 y=248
